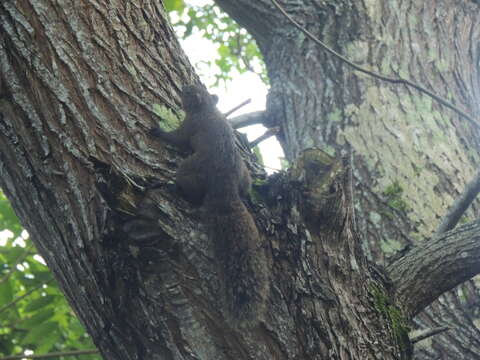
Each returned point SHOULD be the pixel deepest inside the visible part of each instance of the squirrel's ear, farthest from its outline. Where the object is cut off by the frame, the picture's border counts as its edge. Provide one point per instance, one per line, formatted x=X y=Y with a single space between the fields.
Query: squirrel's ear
x=214 y=99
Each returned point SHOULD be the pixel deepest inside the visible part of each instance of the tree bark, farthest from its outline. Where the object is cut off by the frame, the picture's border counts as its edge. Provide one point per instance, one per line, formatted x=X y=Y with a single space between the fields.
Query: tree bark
x=429 y=270
x=80 y=84
x=413 y=157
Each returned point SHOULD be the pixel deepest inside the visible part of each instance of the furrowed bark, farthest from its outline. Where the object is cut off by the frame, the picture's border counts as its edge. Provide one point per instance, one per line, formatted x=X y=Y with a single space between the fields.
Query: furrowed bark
x=413 y=156
x=436 y=266
x=77 y=94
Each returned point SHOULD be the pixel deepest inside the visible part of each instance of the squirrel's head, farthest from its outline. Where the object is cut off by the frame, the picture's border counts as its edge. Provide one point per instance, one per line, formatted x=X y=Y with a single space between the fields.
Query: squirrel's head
x=196 y=97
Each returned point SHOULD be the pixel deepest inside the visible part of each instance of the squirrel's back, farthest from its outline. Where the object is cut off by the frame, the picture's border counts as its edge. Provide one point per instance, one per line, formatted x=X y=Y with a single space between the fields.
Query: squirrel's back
x=216 y=175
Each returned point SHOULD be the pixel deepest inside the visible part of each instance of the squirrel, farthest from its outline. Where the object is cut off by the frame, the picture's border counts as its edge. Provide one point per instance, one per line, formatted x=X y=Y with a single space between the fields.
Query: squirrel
x=216 y=176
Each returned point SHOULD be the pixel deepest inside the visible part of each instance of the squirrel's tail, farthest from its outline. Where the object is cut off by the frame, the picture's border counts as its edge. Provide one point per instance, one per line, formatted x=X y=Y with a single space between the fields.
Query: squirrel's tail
x=243 y=268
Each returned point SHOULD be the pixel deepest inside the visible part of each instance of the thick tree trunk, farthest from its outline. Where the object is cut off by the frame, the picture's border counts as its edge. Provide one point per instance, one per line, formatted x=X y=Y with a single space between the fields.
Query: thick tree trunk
x=412 y=156
x=80 y=82
x=80 y=85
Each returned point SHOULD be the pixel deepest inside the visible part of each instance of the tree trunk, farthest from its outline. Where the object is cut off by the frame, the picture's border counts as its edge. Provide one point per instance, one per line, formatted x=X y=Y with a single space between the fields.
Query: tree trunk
x=80 y=84
x=412 y=156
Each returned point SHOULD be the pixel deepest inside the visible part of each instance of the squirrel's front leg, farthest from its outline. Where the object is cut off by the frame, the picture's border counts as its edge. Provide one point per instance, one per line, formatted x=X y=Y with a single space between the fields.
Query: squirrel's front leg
x=179 y=137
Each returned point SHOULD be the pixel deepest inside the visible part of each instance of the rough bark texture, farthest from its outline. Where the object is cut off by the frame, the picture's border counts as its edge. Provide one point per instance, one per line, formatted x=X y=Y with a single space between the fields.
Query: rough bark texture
x=413 y=157
x=81 y=82
x=446 y=261
x=79 y=85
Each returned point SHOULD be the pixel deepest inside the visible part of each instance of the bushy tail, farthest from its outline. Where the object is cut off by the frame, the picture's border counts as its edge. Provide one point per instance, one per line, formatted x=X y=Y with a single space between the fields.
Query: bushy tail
x=244 y=267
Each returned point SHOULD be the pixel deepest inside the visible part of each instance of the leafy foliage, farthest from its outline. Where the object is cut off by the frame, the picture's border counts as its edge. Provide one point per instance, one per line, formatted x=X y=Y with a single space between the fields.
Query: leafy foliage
x=174 y=5
x=34 y=314
x=236 y=49
x=8 y=219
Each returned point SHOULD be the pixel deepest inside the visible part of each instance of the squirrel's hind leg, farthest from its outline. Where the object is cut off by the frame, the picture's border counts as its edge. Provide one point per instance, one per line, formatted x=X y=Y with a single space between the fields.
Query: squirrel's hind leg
x=191 y=179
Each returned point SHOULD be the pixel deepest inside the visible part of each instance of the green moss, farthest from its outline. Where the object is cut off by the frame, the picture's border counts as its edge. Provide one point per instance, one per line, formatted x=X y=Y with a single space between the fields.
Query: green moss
x=375 y=218
x=397 y=322
x=317 y=156
x=416 y=169
x=170 y=120
x=335 y=115
x=416 y=237
x=393 y=193
x=398 y=204
x=390 y=246
x=464 y=219
x=393 y=189
x=407 y=138
x=387 y=214
x=316 y=168
x=258 y=154
x=259 y=182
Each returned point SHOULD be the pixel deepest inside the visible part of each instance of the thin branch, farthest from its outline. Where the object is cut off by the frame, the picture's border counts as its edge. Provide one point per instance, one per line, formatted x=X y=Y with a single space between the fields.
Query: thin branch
x=269 y=133
x=272 y=168
x=460 y=205
x=256 y=117
x=52 y=355
x=436 y=266
x=242 y=56
x=427 y=333
x=374 y=74
x=17 y=299
x=228 y=113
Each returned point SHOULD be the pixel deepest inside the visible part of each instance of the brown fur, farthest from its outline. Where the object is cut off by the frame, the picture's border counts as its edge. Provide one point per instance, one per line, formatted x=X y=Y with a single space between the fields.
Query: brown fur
x=216 y=175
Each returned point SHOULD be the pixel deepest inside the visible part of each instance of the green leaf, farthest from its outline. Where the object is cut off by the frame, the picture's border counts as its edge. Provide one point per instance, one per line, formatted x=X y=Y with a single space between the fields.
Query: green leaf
x=6 y=346
x=174 y=5
x=36 y=335
x=237 y=49
x=223 y=50
x=37 y=319
x=258 y=154
x=48 y=341
x=39 y=303
x=8 y=219
x=6 y=293
x=37 y=267
x=43 y=276
x=13 y=253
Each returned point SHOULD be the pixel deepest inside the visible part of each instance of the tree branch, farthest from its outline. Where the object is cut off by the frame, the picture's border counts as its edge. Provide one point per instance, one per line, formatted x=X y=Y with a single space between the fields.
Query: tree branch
x=255 y=16
x=17 y=299
x=269 y=133
x=376 y=75
x=18 y=260
x=256 y=117
x=427 y=333
x=436 y=266
x=460 y=205
x=231 y=111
